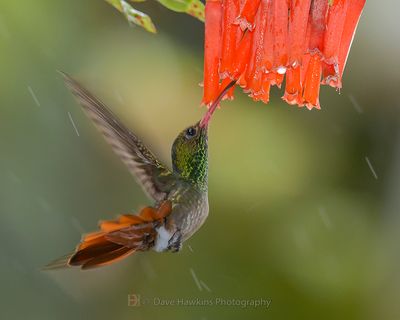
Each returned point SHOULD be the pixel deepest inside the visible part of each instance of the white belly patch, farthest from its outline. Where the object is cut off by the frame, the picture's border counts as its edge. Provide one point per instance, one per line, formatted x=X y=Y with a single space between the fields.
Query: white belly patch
x=163 y=237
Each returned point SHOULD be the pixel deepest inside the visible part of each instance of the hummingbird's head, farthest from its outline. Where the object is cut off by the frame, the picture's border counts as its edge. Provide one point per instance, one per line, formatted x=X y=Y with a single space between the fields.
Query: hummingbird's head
x=190 y=154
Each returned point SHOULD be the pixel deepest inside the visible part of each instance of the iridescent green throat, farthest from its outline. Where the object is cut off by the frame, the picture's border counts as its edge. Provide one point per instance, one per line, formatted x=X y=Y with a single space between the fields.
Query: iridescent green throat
x=190 y=161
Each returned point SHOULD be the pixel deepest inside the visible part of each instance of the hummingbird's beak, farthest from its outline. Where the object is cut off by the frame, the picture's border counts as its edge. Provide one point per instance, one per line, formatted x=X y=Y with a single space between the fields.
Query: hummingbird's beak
x=202 y=127
x=203 y=124
x=215 y=104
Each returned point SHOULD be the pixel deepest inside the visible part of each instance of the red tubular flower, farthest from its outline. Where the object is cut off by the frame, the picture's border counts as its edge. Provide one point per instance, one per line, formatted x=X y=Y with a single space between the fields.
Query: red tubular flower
x=268 y=58
x=276 y=79
x=353 y=14
x=212 y=50
x=280 y=31
x=294 y=88
x=229 y=37
x=266 y=85
x=297 y=38
x=247 y=15
x=333 y=35
x=298 y=20
x=316 y=29
x=242 y=55
x=306 y=40
x=317 y=24
x=312 y=82
x=255 y=74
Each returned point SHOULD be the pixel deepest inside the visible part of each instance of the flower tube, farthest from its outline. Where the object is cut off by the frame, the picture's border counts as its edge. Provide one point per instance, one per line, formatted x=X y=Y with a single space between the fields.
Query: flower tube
x=316 y=28
x=280 y=31
x=212 y=50
x=293 y=88
x=255 y=74
x=297 y=37
x=312 y=82
x=268 y=53
x=266 y=85
x=242 y=54
x=353 y=14
x=229 y=37
x=256 y=43
x=317 y=24
x=298 y=19
x=333 y=35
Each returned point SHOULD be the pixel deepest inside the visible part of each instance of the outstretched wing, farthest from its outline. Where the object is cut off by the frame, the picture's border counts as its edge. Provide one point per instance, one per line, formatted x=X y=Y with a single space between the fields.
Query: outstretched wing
x=150 y=173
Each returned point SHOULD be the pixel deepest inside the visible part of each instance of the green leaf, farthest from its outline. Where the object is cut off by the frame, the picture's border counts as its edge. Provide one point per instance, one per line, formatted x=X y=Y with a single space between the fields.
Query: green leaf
x=132 y=15
x=194 y=8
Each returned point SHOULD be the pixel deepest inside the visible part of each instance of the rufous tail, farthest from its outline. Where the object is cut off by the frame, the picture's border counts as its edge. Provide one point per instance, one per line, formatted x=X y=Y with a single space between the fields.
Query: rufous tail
x=116 y=239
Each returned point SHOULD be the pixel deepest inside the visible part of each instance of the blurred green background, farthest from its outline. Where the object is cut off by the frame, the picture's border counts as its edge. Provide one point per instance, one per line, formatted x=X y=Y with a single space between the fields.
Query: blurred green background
x=297 y=215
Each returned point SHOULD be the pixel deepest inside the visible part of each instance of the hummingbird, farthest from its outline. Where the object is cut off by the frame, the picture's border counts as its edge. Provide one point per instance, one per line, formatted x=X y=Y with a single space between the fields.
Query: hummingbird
x=180 y=195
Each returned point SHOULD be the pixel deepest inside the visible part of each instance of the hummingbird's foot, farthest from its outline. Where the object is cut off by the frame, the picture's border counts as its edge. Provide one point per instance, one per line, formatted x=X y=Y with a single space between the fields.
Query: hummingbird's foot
x=175 y=243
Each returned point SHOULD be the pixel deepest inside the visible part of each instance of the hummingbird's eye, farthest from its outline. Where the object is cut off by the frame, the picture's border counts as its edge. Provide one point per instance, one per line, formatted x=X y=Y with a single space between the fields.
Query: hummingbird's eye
x=190 y=132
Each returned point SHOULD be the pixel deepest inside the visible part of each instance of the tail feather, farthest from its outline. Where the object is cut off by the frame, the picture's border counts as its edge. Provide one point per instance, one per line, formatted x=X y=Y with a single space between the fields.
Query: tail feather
x=107 y=258
x=91 y=239
x=60 y=263
x=112 y=225
x=92 y=236
x=129 y=218
x=116 y=239
x=136 y=236
x=91 y=252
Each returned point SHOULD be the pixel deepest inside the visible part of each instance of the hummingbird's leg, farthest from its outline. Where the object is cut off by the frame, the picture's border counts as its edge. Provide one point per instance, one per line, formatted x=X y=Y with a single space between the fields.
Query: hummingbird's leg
x=175 y=243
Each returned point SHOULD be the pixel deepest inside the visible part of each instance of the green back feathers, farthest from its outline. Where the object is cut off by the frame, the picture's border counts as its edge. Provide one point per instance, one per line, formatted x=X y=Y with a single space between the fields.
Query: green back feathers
x=190 y=156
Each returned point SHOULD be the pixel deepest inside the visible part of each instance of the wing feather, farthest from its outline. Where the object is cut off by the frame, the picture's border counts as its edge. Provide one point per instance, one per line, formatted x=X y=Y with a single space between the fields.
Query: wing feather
x=150 y=173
